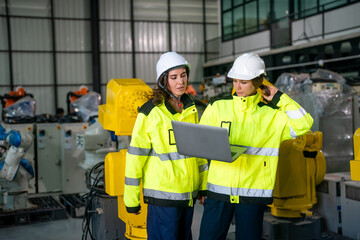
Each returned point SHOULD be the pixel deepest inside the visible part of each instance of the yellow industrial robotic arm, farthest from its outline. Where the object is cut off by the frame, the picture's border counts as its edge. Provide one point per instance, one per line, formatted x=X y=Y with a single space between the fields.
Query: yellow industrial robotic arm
x=123 y=98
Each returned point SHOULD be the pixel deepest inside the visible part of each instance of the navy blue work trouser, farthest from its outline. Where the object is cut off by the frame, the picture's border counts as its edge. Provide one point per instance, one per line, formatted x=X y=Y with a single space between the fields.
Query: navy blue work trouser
x=217 y=218
x=172 y=223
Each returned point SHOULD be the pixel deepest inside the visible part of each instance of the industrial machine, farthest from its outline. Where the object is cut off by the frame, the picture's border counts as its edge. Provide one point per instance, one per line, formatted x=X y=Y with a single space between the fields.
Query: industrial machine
x=96 y=143
x=339 y=197
x=301 y=167
x=24 y=107
x=48 y=157
x=350 y=195
x=123 y=98
x=73 y=96
x=73 y=171
x=73 y=176
x=216 y=87
x=334 y=108
x=329 y=201
x=350 y=208
x=355 y=164
x=30 y=153
x=15 y=171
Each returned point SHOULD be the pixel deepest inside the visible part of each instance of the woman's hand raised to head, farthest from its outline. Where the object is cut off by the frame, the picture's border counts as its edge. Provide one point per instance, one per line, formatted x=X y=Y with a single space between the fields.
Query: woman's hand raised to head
x=268 y=95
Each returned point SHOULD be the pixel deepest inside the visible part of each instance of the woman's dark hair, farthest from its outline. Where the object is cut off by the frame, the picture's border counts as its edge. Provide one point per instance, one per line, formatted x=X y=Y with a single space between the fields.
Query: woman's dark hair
x=159 y=94
x=258 y=83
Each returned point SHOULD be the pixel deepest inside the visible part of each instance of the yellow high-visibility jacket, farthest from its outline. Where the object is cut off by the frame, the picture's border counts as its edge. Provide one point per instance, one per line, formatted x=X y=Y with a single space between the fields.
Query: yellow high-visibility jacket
x=168 y=178
x=260 y=128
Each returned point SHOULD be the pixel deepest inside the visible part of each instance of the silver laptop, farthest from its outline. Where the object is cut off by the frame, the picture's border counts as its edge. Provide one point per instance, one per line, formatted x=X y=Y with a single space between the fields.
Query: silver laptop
x=204 y=141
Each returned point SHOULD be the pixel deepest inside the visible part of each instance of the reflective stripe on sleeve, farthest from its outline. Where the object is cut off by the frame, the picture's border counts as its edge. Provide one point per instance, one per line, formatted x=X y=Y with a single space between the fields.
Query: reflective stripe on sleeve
x=203 y=167
x=244 y=192
x=138 y=151
x=169 y=156
x=293 y=133
x=260 y=151
x=151 y=152
x=296 y=114
x=132 y=181
x=168 y=195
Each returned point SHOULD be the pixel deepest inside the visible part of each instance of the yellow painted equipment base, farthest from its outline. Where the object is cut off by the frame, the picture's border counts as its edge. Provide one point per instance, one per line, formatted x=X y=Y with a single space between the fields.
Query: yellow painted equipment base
x=135 y=224
x=355 y=170
x=301 y=167
x=355 y=164
x=114 y=186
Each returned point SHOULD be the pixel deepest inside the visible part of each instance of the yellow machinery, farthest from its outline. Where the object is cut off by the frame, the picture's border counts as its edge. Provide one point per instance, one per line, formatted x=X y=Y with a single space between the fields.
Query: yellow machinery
x=123 y=98
x=355 y=164
x=301 y=167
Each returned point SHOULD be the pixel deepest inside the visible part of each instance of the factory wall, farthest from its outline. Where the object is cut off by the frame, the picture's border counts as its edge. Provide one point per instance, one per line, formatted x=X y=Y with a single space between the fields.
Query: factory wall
x=47 y=46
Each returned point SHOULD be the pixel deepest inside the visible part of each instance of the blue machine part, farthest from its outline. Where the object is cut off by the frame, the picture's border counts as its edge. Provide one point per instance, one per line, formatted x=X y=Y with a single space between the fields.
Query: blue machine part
x=113 y=136
x=28 y=167
x=13 y=137
x=2 y=130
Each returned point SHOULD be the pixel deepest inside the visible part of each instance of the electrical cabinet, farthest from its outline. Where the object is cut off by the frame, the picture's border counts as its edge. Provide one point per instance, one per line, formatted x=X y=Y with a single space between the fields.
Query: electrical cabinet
x=329 y=200
x=73 y=177
x=49 y=157
x=350 y=205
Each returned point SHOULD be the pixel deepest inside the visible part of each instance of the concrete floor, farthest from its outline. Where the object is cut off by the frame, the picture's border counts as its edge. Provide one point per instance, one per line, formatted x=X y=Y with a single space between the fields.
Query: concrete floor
x=71 y=229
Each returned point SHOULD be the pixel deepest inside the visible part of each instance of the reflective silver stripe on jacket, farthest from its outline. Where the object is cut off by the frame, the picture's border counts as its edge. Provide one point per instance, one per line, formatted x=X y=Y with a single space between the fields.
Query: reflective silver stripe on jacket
x=139 y=151
x=151 y=152
x=169 y=156
x=260 y=151
x=203 y=167
x=244 y=192
x=292 y=133
x=132 y=181
x=296 y=114
x=168 y=195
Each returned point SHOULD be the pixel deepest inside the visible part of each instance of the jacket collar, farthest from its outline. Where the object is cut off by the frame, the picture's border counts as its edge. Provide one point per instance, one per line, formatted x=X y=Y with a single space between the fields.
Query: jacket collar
x=186 y=100
x=245 y=103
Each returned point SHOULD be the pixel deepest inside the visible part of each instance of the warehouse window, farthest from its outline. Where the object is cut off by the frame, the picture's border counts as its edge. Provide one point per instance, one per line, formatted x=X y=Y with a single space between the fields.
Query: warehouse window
x=238 y=22
x=251 y=21
x=242 y=17
x=227 y=25
x=305 y=8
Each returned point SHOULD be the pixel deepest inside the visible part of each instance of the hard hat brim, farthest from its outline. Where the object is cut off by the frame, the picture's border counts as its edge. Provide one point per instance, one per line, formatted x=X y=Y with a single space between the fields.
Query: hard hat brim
x=241 y=76
x=187 y=66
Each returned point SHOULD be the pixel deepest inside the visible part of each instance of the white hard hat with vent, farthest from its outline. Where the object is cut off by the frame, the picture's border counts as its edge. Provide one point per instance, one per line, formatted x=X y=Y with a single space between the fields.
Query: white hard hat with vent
x=170 y=60
x=247 y=67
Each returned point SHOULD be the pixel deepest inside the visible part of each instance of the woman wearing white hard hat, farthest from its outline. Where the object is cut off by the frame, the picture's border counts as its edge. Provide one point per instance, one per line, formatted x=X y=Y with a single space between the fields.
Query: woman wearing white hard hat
x=171 y=181
x=259 y=118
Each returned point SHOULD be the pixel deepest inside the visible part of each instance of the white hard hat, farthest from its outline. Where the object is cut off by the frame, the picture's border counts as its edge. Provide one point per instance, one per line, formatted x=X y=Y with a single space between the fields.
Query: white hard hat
x=168 y=61
x=247 y=66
